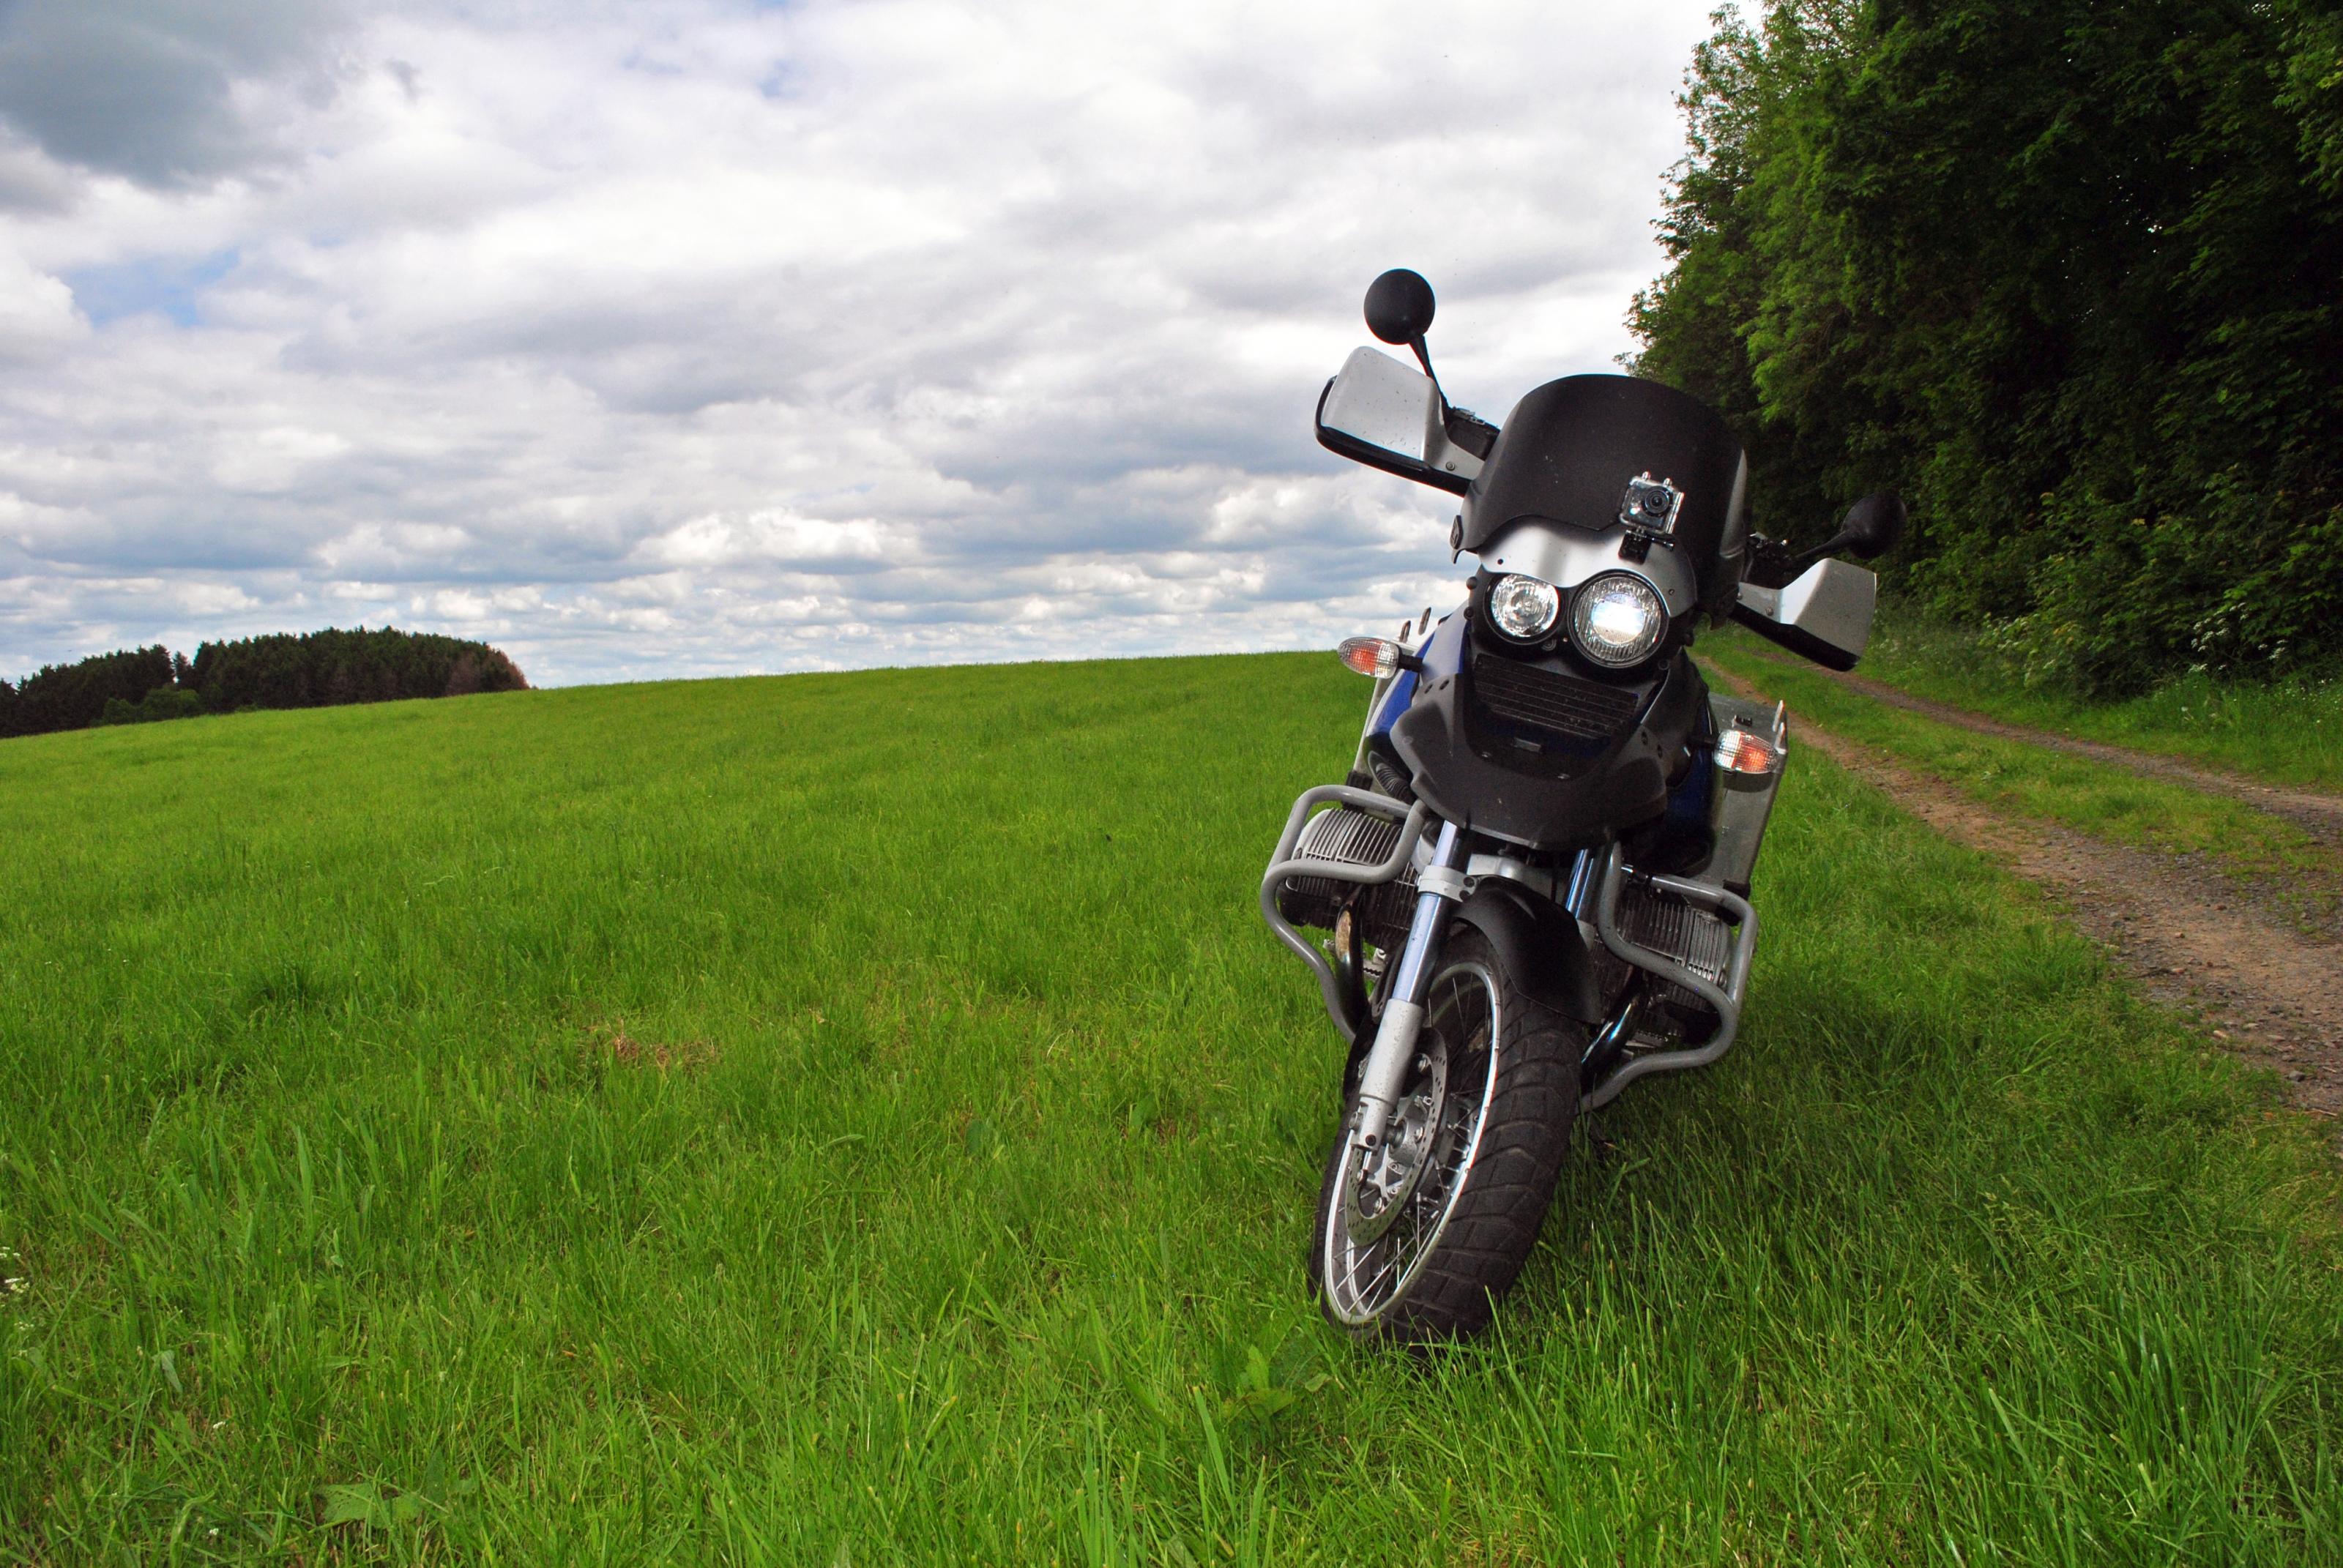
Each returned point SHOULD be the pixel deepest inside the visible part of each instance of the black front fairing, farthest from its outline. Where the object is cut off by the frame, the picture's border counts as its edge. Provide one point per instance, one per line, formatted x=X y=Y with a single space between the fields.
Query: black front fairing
x=1529 y=749
x=1569 y=448
x=1538 y=744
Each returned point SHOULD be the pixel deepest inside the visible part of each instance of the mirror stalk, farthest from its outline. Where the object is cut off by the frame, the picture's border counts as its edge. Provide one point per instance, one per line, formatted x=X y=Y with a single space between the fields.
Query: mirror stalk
x=1423 y=357
x=1805 y=558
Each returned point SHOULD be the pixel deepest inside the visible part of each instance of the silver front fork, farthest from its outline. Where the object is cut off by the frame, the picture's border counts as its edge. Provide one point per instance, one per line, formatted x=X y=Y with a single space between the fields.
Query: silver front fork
x=1438 y=886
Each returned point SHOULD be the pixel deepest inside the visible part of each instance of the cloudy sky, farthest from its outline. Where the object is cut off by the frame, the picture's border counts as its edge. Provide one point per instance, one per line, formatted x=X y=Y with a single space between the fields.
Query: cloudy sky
x=687 y=336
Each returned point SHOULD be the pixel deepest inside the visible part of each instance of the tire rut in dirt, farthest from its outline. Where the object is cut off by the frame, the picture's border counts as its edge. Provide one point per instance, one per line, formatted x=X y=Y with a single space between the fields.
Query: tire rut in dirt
x=2184 y=935
x=2318 y=813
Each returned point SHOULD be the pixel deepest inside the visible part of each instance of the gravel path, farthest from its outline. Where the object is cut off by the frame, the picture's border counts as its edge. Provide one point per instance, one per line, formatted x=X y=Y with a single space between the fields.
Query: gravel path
x=2187 y=935
x=2316 y=814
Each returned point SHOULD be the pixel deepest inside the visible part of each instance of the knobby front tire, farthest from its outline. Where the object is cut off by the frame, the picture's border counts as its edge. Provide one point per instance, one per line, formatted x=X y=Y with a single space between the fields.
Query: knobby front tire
x=1420 y=1243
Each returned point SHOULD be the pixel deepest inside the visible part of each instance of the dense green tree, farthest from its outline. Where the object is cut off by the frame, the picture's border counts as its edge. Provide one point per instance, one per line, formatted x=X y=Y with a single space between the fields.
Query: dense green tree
x=277 y=671
x=73 y=696
x=163 y=703
x=331 y=666
x=2065 y=272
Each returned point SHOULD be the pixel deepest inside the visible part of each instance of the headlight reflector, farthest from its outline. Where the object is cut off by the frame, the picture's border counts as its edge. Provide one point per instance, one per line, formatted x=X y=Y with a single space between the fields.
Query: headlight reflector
x=1617 y=620
x=1523 y=608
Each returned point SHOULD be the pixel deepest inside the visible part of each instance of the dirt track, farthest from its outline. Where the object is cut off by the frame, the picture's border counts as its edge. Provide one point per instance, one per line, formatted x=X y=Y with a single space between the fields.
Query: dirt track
x=2187 y=935
x=2320 y=815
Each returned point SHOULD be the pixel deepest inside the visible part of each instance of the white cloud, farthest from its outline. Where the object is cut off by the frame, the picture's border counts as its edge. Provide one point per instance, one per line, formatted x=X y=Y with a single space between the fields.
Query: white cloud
x=38 y=319
x=695 y=338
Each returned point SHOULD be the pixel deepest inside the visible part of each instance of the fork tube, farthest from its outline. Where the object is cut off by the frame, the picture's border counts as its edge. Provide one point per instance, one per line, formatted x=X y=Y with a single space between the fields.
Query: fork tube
x=1585 y=880
x=1386 y=1065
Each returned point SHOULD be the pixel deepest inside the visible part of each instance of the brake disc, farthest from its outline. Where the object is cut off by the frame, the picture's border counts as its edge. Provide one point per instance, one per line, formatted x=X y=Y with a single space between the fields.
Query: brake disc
x=1388 y=1175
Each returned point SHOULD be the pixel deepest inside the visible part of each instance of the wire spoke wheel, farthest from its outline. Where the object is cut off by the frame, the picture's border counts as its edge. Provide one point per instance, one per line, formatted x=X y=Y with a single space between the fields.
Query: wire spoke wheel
x=1388 y=1256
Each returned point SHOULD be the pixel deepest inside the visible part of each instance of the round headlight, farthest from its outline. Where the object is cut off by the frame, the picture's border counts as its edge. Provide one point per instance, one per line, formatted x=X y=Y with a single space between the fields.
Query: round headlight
x=1524 y=607
x=1617 y=620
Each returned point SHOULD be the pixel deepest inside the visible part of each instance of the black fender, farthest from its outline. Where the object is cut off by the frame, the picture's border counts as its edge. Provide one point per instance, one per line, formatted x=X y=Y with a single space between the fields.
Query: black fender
x=1541 y=947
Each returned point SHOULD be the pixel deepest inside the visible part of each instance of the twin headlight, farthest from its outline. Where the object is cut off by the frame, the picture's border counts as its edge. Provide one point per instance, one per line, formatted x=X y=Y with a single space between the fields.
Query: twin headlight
x=1616 y=618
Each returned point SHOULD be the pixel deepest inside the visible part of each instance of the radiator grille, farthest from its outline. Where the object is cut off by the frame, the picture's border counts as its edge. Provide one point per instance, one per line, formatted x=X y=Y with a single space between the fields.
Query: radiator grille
x=1354 y=838
x=1670 y=926
x=1665 y=924
x=1562 y=704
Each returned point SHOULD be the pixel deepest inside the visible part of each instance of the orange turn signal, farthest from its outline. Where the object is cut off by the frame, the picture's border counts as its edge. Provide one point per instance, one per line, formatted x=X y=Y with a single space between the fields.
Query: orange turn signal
x=1744 y=753
x=1377 y=656
x=1739 y=751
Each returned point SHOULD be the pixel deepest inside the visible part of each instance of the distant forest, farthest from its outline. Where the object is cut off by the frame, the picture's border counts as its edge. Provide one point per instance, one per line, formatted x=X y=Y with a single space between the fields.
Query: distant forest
x=2070 y=274
x=321 y=669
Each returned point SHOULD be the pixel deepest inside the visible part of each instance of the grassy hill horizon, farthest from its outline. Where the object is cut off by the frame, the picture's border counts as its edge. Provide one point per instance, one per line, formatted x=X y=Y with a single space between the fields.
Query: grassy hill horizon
x=860 y=1118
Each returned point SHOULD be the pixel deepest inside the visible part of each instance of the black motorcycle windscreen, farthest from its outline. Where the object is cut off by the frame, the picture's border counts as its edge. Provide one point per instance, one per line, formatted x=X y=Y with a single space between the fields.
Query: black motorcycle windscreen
x=1569 y=447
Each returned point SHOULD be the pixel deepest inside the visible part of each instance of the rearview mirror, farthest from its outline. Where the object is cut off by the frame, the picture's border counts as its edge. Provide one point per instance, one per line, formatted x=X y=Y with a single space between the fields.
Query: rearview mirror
x=1399 y=306
x=1380 y=412
x=1871 y=527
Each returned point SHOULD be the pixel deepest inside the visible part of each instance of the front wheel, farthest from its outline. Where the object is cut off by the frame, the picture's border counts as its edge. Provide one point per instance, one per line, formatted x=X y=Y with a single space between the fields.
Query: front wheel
x=1418 y=1239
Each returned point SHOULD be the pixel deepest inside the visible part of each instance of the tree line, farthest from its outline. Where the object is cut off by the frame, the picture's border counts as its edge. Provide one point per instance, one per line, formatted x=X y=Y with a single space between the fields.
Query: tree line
x=320 y=670
x=2067 y=274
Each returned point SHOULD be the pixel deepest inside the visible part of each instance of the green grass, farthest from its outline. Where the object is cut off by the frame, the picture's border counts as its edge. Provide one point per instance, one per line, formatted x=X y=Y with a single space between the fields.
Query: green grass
x=2286 y=731
x=964 y=1220
x=2101 y=798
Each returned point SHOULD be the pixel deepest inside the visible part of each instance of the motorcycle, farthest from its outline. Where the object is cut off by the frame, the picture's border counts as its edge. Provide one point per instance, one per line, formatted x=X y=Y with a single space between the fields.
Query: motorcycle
x=1534 y=884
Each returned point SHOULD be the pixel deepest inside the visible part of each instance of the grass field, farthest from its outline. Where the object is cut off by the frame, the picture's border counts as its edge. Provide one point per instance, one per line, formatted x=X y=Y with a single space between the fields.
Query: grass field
x=861 y=1119
x=2288 y=731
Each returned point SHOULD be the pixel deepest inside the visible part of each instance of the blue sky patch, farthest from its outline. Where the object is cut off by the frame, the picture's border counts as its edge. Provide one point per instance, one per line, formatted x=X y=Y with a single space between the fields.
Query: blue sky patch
x=153 y=285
